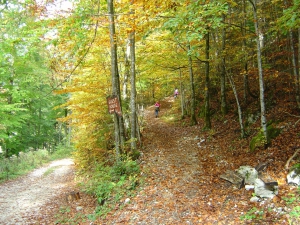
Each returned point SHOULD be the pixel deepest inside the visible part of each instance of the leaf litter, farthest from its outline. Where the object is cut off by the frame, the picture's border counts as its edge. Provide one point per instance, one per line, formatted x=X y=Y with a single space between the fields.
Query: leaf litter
x=181 y=166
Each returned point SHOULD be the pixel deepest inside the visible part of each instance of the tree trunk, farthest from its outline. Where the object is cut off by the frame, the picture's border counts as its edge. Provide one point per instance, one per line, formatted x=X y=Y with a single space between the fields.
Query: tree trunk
x=114 y=75
x=224 y=108
x=246 y=80
x=296 y=75
x=260 y=74
x=133 y=112
x=238 y=106
x=207 y=85
x=183 y=111
x=126 y=71
x=193 y=116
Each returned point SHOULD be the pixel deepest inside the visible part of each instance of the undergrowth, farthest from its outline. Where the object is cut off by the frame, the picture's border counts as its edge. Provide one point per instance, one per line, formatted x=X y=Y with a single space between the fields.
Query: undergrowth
x=112 y=185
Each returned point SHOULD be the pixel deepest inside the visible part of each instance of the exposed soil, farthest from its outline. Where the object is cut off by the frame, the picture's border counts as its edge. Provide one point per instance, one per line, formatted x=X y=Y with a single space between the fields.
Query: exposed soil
x=21 y=199
x=181 y=166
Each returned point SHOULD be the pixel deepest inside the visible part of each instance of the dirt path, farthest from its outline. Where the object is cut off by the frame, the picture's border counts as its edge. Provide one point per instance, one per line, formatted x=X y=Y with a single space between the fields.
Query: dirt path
x=173 y=177
x=181 y=166
x=21 y=199
x=180 y=179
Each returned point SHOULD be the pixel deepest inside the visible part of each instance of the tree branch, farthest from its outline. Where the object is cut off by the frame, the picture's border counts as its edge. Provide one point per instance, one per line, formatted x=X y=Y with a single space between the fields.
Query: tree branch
x=290 y=159
x=294 y=116
x=84 y=55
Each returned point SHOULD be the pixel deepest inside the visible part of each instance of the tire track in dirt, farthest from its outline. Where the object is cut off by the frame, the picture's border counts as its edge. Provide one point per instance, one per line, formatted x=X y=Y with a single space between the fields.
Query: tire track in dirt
x=22 y=199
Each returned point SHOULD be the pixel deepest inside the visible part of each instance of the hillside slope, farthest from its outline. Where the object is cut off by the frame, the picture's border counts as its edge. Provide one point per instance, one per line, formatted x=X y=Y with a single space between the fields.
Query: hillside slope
x=182 y=165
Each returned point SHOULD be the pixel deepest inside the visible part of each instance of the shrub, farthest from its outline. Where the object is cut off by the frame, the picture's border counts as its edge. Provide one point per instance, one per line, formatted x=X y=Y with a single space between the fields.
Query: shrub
x=110 y=184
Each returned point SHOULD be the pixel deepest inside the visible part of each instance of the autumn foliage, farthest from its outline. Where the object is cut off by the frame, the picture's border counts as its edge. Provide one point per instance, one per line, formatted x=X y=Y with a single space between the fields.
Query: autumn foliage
x=162 y=33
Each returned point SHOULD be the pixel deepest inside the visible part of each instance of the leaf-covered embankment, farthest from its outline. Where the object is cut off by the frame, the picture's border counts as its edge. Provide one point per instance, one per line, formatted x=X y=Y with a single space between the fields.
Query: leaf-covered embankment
x=182 y=167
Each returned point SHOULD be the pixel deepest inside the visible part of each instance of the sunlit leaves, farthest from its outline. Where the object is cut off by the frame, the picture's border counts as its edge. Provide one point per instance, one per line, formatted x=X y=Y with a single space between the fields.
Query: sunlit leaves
x=291 y=17
x=163 y=30
x=27 y=117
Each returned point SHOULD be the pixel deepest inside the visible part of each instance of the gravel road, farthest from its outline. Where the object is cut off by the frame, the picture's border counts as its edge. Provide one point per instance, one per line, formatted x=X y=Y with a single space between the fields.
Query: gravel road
x=21 y=199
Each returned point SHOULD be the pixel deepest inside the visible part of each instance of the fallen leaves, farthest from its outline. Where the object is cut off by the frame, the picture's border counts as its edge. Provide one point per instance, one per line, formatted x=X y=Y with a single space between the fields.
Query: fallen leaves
x=182 y=184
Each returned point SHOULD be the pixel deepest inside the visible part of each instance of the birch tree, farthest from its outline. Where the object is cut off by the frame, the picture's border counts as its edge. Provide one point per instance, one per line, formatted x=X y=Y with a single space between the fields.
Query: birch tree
x=259 y=37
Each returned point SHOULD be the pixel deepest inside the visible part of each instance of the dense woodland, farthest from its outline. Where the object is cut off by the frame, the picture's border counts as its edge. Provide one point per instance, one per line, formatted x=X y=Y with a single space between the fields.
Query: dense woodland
x=61 y=60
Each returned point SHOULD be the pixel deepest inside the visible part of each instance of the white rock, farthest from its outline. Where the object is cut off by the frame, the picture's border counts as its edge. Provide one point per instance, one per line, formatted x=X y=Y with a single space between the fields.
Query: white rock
x=79 y=208
x=255 y=199
x=249 y=173
x=249 y=187
x=127 y=200
x=264 y=191
x=293 y=178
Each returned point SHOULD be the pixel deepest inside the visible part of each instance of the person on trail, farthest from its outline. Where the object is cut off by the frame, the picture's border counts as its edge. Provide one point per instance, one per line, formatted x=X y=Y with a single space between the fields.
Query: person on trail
x=176 y=92
x=157 y=105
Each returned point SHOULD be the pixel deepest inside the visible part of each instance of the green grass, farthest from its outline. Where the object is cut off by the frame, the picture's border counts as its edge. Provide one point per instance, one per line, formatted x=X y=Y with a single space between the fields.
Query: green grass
x=49 y=171
x=253 y=214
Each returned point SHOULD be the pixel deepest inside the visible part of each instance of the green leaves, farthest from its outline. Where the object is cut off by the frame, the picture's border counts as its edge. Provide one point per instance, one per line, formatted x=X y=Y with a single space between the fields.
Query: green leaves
x=27 y=117
x=192 y=22
x=290 y=18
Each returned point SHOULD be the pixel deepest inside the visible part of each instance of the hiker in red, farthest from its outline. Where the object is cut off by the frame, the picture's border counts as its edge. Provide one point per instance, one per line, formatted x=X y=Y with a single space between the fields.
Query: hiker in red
x=157 y=105
x=176 y=92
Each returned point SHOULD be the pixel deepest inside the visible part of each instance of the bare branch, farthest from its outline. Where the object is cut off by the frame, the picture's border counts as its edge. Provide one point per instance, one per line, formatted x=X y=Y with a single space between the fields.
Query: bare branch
x=290 y=159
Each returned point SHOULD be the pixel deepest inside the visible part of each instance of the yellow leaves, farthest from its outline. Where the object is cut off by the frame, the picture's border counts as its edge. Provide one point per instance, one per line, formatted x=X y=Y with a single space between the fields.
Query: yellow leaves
x=89 y=118
x=129 y=30
x=232 y=3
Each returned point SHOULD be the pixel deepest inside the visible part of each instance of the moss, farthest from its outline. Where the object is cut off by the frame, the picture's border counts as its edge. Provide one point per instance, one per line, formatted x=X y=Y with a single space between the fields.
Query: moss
x=259 y=140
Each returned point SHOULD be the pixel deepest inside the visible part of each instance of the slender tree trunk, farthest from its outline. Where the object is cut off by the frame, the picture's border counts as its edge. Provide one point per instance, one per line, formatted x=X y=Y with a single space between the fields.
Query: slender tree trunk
x=138 y=131
x=224 y=108
x=126 y=71
x=38 y=128
x=193 y=116
x=126 y=116
x=152 y=94
x=207 y=85
x=183 y=112
x=260 y=74
x=246 y=80
x=114 y=74
x=298 y=72
x=296 y=75
x=238 y=105
x=133 y=91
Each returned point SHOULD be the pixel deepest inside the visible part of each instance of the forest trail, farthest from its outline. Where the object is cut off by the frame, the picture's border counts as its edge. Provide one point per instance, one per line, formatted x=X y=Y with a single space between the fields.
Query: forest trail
x=181 y=168
x=182 y=179
x=21 y=199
